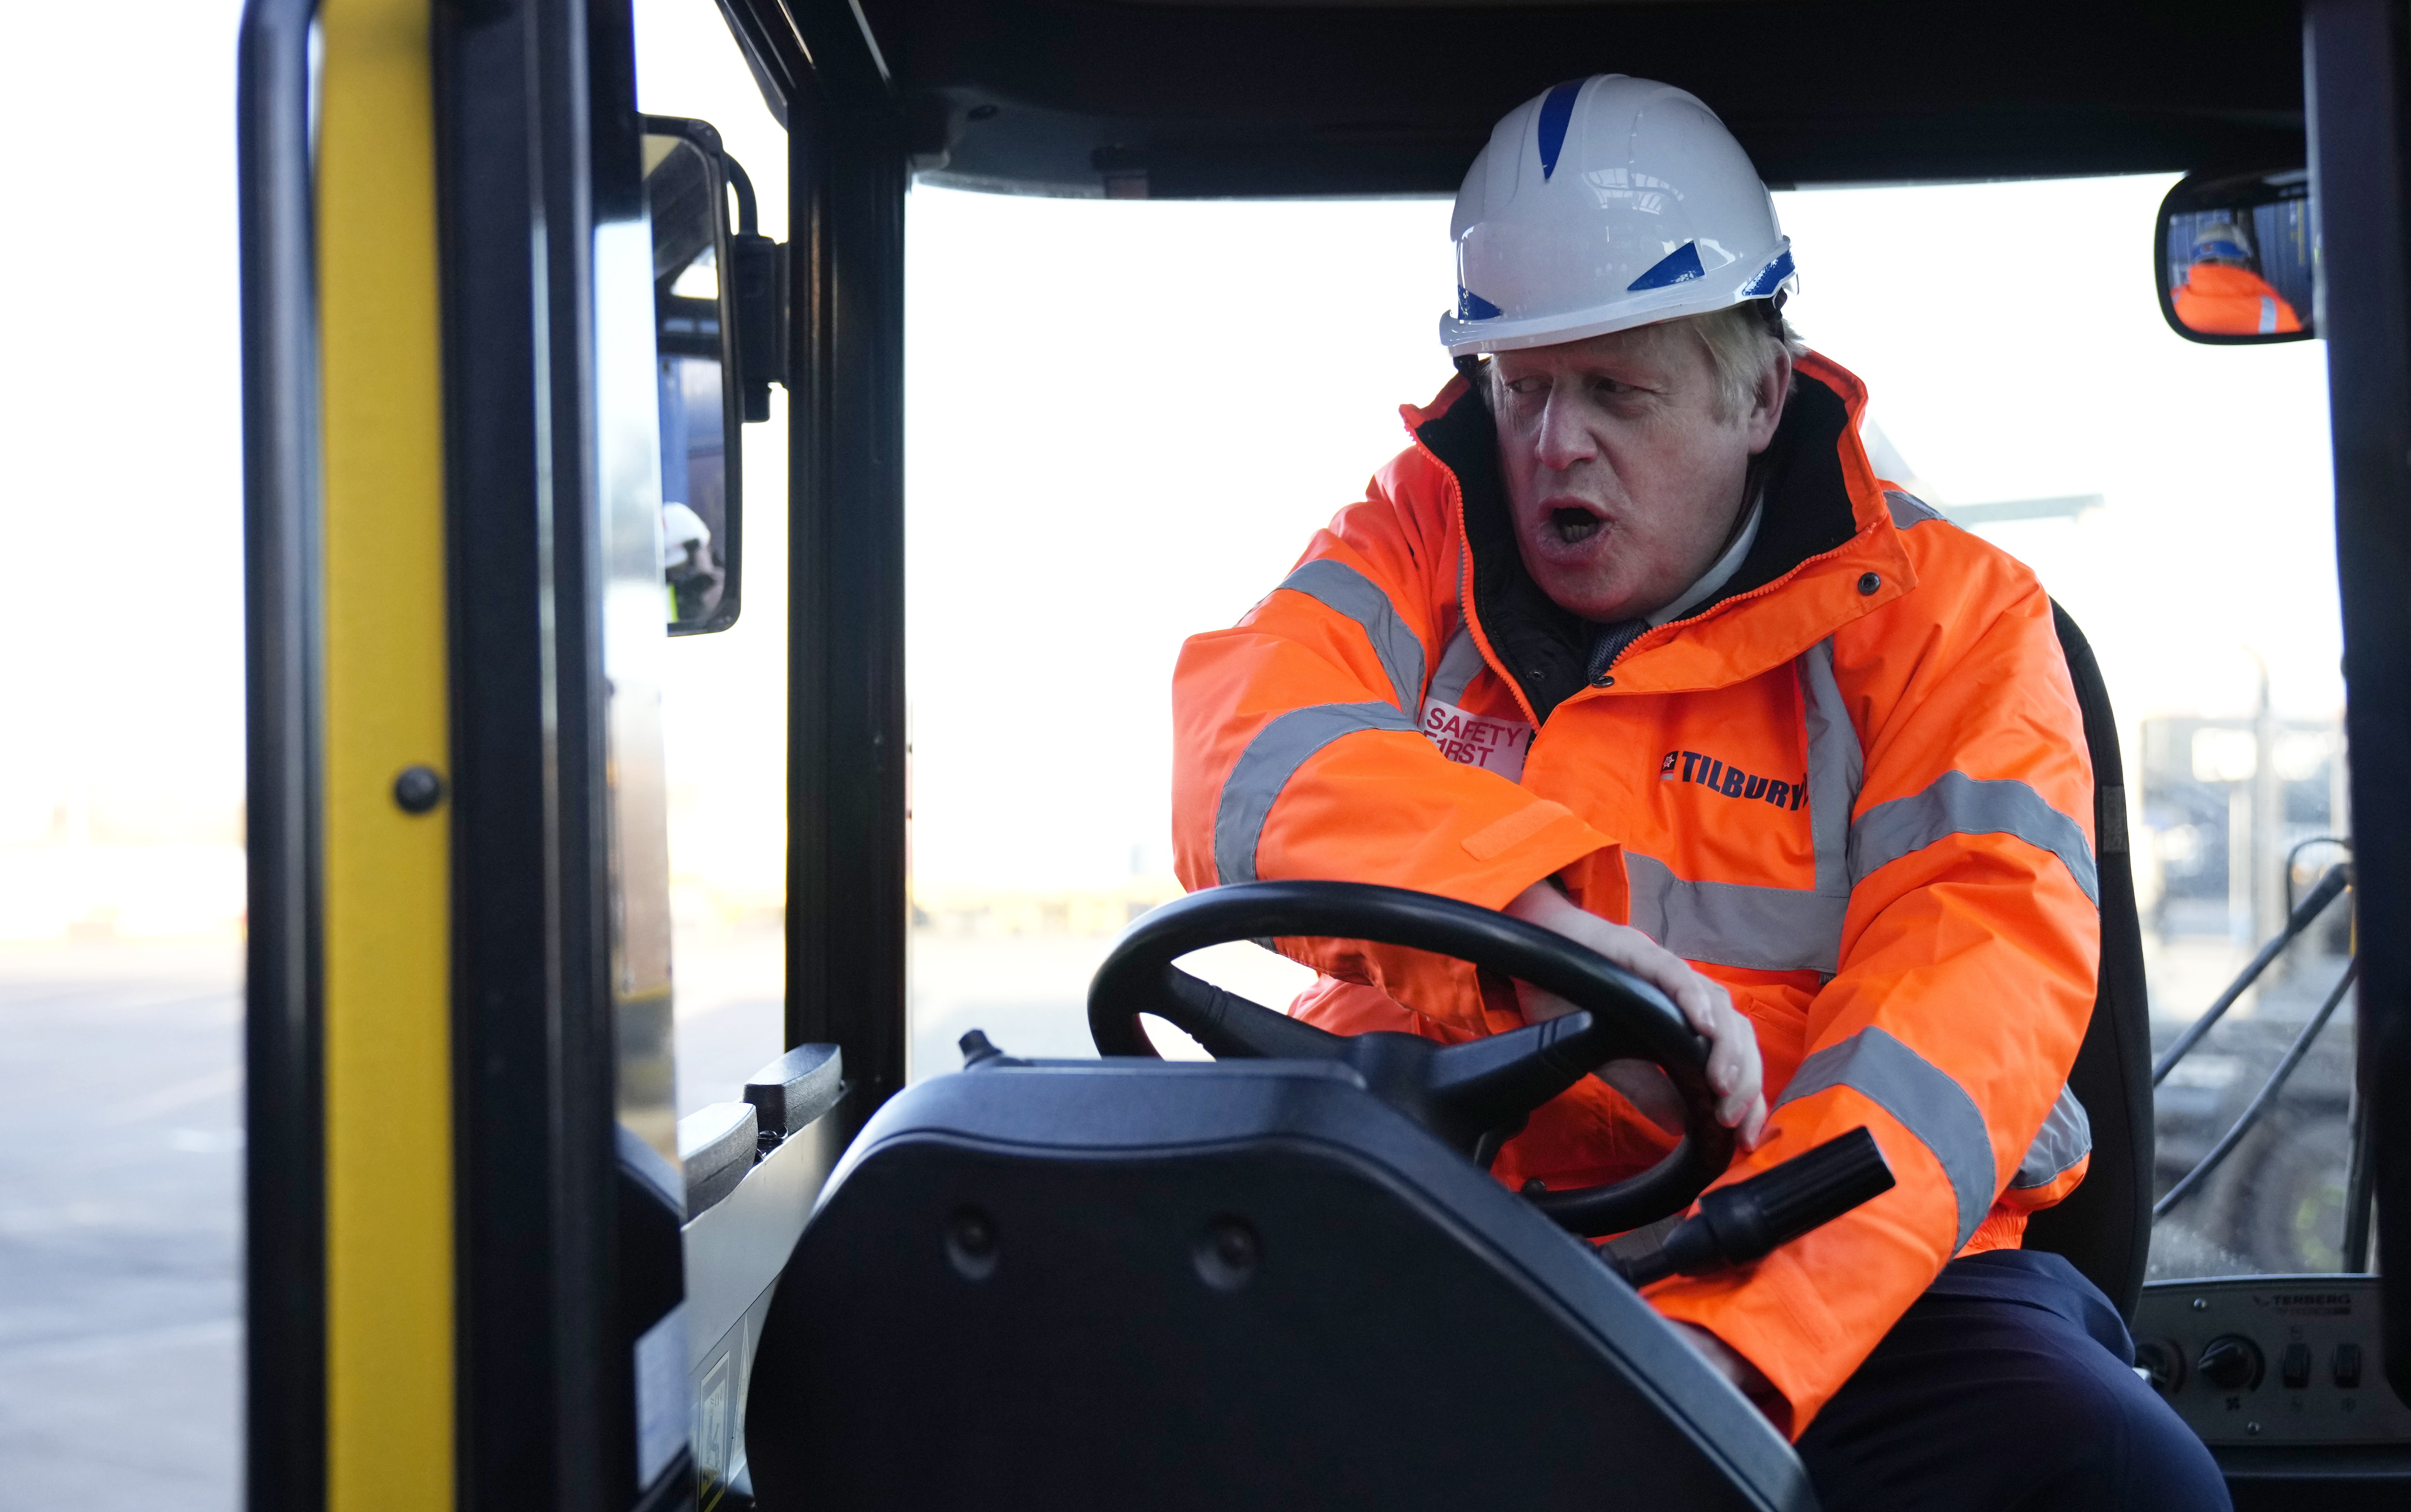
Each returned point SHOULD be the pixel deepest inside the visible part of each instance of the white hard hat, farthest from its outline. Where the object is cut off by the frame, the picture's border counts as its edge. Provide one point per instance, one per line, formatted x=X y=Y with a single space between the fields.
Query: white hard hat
x=2221 y=241
x=682 y=530
x=1606 y=203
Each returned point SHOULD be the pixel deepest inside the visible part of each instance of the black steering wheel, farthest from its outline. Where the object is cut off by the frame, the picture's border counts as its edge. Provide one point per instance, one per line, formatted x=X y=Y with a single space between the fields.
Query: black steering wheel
x=1475 y=1095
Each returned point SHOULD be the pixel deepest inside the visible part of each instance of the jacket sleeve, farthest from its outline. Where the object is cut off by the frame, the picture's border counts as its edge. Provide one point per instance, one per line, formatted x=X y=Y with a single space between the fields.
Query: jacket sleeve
x=1297 y=755
x=1967 y=970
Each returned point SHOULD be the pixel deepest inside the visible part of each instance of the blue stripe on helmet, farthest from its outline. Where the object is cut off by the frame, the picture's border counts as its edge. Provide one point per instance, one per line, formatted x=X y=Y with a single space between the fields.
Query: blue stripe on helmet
x=1770 y=278
x=1557 y=111
x=1471 y=306
x=1680 y=266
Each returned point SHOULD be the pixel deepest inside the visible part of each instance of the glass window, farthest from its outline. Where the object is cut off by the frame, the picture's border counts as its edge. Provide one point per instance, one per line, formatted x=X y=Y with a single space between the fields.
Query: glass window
x=724 y=696
x=2183 y=517
x=1127 y=419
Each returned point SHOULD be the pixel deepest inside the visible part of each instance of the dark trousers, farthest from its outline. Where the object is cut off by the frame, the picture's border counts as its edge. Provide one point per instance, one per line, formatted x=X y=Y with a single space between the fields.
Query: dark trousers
x=2007 y=1387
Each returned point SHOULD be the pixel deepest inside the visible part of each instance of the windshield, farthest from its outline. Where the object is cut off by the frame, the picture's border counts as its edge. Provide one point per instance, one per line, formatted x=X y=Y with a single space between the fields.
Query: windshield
x=1127 y=418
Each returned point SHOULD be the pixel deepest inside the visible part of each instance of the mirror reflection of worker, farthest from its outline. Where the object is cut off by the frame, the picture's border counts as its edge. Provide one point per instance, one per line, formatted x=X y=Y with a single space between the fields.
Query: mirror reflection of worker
x=2224 y=294
x=1631 y=644
x=687 y=564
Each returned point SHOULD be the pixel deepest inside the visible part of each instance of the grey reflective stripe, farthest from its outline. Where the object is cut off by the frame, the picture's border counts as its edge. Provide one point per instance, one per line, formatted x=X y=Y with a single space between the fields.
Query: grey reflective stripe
x=1342 y=587
x=2268 y=314
x=1908 y=509
x=1264 y=768
x=1928 y=1103
x=1836 y=767
x=1460 y=662
x=2065 y=1138
x=1731 y=923
x=1957 y=804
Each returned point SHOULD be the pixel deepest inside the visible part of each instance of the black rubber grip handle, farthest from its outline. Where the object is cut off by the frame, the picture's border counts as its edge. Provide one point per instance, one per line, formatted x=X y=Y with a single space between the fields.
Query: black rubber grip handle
x=1745 y=1221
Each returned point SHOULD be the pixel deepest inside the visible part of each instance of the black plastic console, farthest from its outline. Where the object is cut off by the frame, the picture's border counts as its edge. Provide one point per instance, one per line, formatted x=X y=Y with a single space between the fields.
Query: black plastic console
x=1120 y=1284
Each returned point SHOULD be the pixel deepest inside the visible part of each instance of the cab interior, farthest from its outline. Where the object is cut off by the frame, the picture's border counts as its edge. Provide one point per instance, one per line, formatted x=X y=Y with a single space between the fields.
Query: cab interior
x=536 y=1285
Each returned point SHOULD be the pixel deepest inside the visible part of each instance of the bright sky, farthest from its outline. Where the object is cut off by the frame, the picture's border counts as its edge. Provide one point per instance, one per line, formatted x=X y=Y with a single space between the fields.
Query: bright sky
x=1125 y=419
x=120 y=418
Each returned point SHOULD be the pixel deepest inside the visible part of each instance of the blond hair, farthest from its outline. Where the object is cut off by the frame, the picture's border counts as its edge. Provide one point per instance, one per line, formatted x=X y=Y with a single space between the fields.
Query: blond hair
x=1742 y=345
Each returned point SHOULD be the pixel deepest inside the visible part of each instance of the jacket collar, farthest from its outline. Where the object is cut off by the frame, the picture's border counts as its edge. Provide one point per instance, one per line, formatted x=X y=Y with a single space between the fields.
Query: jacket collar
x=1826 y=526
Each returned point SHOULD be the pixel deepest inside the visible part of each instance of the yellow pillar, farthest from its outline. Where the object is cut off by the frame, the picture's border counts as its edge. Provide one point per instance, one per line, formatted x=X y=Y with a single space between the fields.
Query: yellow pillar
x=389 y=1137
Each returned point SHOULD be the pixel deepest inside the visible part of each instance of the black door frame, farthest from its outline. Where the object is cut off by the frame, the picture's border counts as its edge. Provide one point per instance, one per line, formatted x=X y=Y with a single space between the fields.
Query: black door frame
x=847 y=909
x=284 y=1176
x=2354 y=55
x=542 y=1397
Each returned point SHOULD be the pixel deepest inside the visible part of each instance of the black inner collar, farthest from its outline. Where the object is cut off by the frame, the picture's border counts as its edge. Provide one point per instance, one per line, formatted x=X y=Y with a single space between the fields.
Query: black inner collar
x=1548 y=649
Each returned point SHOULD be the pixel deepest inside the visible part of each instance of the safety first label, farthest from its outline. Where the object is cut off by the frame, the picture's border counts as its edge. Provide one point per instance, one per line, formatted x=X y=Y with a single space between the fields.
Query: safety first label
x=1494 y=745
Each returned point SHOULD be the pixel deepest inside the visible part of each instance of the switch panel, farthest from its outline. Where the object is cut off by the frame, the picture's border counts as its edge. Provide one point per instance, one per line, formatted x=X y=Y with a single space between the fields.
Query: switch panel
x=2297 y=1369
x=2270 y=1360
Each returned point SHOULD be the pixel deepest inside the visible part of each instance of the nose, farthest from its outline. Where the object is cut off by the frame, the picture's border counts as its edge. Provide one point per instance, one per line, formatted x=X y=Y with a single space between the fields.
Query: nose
x=1563 y=439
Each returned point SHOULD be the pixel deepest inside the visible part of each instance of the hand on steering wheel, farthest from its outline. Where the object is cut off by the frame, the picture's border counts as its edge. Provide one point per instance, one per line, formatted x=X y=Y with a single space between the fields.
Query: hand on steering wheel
x=1733 y=1067
x=1474 y=1095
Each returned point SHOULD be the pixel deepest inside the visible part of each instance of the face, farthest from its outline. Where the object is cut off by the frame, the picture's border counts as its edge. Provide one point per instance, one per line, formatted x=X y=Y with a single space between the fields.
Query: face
x=1623 y=481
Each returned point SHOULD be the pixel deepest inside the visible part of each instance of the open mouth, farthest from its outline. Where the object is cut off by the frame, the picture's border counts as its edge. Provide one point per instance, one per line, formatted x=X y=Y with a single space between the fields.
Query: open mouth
x=1574 y=525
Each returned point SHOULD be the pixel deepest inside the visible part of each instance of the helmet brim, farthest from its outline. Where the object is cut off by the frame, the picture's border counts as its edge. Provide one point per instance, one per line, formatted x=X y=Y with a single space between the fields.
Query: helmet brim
x=1720 y=290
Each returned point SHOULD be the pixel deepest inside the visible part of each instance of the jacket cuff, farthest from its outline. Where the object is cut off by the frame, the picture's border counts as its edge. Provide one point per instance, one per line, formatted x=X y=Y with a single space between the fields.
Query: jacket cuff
x=1771 y=1315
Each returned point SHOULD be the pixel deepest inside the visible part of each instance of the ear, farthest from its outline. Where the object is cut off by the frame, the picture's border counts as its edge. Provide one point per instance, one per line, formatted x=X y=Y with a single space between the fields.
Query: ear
x=1766 y=404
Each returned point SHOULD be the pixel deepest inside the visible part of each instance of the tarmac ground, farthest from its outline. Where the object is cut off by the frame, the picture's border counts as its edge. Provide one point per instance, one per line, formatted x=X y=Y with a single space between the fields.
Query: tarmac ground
x=121 y=1151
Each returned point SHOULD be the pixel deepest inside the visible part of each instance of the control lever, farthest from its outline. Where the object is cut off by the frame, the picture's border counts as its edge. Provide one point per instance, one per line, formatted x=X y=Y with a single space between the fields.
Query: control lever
x=1744 y=1222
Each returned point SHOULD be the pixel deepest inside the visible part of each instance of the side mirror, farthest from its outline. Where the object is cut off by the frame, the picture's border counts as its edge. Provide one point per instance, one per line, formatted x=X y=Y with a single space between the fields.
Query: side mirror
x=717 y=302
x=2237 y=257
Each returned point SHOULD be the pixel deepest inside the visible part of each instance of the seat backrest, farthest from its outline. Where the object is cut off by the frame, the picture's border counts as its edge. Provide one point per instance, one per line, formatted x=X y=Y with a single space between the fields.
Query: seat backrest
x=2104 y=1229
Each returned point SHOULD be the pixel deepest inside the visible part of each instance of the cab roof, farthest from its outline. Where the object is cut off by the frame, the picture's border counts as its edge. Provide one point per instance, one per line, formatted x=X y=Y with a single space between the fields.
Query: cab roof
x=1176 y=99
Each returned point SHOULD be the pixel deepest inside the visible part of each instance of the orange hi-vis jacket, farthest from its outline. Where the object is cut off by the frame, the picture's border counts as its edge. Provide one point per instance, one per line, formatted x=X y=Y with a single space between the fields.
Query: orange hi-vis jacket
x=1853 y=788
x=2220 y=300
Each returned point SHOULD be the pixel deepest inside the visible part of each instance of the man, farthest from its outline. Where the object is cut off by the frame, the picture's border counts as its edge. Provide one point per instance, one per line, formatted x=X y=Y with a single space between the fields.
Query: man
x=2223 y=293
x=1632 y=642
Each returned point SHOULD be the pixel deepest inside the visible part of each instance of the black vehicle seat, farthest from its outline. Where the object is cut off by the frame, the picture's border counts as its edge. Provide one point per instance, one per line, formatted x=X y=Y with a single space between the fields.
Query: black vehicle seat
x=2105 y=1226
